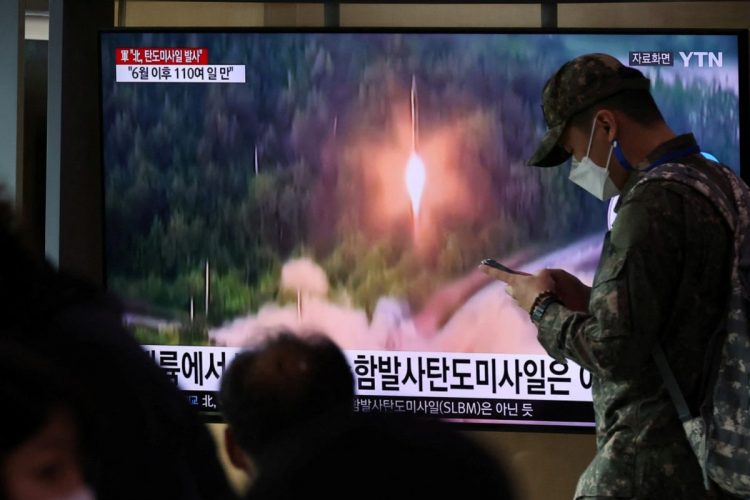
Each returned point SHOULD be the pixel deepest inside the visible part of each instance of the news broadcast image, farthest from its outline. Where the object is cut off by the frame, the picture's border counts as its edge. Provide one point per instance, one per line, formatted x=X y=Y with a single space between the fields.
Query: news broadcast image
x=350 y=183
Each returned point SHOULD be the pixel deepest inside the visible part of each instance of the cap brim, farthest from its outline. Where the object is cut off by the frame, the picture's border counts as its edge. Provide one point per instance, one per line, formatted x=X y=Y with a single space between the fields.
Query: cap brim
x=549 y=153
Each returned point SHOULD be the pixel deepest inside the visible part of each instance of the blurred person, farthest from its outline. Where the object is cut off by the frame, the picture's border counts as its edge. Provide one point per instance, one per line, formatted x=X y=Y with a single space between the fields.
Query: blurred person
x=40 y=443
x=144 y=440
x=384 y=456
x=272 y=393
x=288 y=405
x=662 y=282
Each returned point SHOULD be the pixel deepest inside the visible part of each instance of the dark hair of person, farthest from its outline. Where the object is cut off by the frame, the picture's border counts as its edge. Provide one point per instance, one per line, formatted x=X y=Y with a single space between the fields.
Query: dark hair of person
x=31 y=391
x=283 y=384
x=638 y=105
x=31 y=291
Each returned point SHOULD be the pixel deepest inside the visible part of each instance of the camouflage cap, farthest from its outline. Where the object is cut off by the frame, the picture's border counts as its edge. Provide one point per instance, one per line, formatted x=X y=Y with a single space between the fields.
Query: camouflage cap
x=579 y=84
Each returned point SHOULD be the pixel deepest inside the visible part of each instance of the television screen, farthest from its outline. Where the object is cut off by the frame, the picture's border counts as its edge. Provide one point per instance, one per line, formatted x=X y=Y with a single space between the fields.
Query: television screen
x=349 y=183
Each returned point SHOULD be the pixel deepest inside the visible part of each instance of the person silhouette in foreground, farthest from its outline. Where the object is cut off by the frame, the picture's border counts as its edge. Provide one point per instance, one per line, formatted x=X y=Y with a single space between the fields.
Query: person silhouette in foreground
x=288 y=404
x=41 y=449
x=144 y=441
x=273 y=392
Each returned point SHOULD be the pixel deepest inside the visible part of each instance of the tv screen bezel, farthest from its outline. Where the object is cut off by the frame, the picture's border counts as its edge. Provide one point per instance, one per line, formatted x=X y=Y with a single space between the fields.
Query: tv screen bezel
x=743 y=67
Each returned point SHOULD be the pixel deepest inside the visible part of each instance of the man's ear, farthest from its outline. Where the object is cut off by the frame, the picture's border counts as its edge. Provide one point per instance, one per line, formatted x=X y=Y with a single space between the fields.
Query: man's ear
x=236 y=455
x=608 y=122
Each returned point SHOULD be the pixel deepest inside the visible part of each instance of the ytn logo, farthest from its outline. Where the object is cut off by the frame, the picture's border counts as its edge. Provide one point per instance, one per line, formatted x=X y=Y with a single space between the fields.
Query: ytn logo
x=715 y=59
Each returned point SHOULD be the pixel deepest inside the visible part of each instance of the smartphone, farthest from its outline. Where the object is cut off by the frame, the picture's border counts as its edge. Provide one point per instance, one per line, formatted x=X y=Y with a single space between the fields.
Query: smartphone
x=497 y=265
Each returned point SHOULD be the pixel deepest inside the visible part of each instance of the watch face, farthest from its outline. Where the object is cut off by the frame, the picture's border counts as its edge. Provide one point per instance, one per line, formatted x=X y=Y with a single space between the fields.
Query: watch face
x=538 y=310
x=537 y=313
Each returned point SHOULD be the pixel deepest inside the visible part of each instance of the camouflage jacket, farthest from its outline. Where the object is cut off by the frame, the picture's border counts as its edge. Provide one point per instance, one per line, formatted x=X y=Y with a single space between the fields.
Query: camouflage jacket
x=663 y=276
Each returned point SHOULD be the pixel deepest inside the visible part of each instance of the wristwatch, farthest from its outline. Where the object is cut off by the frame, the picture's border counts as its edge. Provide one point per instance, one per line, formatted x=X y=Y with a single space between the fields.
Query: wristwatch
x=540 y=305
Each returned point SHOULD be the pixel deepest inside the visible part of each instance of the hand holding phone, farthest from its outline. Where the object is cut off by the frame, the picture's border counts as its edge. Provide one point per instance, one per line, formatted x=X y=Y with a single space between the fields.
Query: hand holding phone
x=523 y=287
x=496 y=265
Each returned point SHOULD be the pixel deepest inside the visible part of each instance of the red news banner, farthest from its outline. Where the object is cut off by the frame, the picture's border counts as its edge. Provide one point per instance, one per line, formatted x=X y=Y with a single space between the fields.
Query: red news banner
x=173 y=65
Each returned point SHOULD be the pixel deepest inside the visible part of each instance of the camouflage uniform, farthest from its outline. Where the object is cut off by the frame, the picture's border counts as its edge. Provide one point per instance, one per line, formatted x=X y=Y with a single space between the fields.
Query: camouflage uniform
x=663 y=277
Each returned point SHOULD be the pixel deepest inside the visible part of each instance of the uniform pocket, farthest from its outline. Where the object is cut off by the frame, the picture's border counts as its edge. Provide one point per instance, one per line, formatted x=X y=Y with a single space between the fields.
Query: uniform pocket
x=610 y=268
x=609 y=295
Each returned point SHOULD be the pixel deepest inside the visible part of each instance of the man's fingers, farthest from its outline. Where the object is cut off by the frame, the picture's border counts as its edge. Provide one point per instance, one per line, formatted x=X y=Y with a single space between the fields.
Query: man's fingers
x=498 y=274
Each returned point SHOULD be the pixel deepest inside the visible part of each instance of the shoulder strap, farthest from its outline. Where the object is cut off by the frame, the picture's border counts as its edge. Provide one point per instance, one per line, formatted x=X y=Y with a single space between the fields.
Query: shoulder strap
x=683 y=411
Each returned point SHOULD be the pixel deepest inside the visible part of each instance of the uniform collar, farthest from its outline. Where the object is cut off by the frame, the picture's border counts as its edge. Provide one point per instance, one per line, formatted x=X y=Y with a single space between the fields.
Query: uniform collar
x=683 y=141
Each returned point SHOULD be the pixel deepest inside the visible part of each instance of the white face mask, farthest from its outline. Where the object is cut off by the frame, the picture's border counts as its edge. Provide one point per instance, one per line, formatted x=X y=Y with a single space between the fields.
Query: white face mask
x=591 y=176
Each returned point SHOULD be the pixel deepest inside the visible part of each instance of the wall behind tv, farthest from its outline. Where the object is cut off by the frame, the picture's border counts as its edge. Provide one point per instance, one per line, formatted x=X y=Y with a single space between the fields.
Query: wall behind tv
x=545 y=466
x=662 y=14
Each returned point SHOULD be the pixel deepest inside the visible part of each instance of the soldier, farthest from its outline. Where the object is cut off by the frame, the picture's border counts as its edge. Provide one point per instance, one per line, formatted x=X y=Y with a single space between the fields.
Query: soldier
x=662 y=280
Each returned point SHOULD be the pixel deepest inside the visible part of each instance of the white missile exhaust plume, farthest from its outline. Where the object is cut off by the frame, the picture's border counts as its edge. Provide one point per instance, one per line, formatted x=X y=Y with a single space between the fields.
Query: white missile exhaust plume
x=415 y=181
x=305 y=276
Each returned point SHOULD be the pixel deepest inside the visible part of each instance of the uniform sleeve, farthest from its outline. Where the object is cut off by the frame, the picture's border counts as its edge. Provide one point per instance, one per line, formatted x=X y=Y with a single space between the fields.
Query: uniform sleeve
x=633 y=291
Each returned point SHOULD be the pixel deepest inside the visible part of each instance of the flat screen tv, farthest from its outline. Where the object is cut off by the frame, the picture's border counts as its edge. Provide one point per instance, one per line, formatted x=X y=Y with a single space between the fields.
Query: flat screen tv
x=349 y=183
